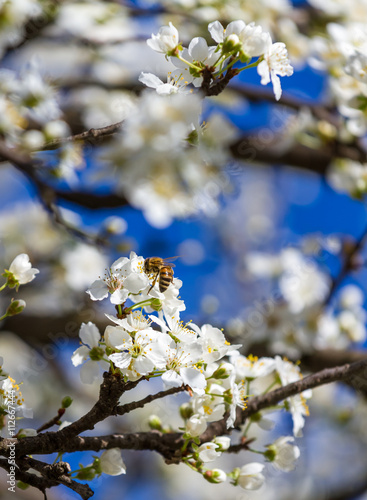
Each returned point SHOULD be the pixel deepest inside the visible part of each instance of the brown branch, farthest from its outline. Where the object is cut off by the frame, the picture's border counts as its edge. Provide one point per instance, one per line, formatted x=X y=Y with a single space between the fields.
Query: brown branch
x=355 y=373
x=168 y=444
x=219 y=84
x=28 y=478
x=89 y=135
x=243 y=445
x=56 y=474
x=111 y=389
x=49 y=195
x=329 y=358
x=348 y=264
x=249 y=148
x=347 y=492
x=54 y=421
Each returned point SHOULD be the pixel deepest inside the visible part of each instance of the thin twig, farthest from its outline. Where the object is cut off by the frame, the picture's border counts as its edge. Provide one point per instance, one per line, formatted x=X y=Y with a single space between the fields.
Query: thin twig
x=122 y=410
x=48 y=195
x=55 y=420
x=347 y=264
x=91 y=134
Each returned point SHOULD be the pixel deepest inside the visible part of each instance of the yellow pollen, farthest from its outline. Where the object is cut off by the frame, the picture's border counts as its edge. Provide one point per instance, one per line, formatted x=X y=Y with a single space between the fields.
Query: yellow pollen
x=208 y=410
x=252 y=358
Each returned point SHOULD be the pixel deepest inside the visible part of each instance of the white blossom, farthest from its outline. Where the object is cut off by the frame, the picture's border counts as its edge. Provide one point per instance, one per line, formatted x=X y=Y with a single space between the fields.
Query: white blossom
x=141 y=353
x=196 y=425
x=285 y=454
x=175 y=83
x=111 y=462
x=251 y=477
x=198 y=50
x=213 y=342
x=208 y=452
x=288 y=373
x=217 y=476
x=223 y=442
x=181 y=367
x=90 y=338
x=22 y=270
x=211 y=406
x=126 y=276
x=275 y=63
x=165 y=41
x=251 y=38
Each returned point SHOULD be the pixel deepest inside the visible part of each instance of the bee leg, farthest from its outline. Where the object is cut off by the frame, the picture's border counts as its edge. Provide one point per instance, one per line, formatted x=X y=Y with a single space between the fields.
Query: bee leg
x=154 y=282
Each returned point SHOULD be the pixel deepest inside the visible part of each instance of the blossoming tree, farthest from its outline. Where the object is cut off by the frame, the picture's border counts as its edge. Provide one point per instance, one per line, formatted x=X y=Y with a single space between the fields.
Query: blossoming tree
x=98 y=115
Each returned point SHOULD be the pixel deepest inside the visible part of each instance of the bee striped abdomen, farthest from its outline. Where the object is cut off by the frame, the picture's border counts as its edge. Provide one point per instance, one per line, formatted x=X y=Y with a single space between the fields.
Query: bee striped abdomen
x=165 y=278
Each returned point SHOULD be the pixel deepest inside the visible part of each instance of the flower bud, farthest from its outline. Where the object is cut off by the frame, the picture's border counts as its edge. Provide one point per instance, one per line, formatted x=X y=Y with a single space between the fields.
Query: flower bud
x=186 y=411
x=222 y=372
x=156 y=304
x=223 y=442
x=26 y=433
x=250 y=476
x=66 y=402
x=231 y=44
x=270 y=454
x=86 y=474
x=21 y=485
x=155 y=423
x=215 y=476
x=196 y=425
x=207 y=452
x=15 y=307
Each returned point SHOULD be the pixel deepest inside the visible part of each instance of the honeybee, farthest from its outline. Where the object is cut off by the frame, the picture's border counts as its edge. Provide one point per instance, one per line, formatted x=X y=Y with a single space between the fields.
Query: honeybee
x=162 y=268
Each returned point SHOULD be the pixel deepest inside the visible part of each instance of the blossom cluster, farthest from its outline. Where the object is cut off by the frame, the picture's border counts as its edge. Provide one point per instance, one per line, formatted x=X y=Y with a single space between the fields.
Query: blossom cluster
x=147 y=339
x=31 y=116
x=169 y=165
x=274 y=16
x=237 y=43
x=13 y=16
x=172 y=165
x=341 y=51
x=293 y=319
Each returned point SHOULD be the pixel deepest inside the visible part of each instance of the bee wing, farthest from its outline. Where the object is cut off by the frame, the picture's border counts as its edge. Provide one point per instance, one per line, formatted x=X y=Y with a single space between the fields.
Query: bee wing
x=168 y=260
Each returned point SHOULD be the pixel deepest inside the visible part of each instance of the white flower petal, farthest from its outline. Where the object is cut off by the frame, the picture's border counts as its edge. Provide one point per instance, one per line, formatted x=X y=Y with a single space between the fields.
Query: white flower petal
x=216 y=31
x=98 y=290
x=150 y=80
x=80 y=355
x=89 y=334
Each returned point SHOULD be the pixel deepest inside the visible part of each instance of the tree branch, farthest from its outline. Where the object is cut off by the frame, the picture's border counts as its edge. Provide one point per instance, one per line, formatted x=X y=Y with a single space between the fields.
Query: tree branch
x=56 y=474
x=355 y=373
x=168 y=444
x=90 y=135
x=348 y=264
